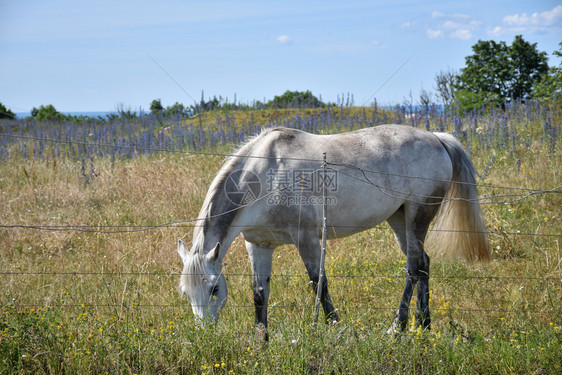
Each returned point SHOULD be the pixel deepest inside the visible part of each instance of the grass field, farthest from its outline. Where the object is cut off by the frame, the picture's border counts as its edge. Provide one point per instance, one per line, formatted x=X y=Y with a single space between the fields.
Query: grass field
x=91 y=214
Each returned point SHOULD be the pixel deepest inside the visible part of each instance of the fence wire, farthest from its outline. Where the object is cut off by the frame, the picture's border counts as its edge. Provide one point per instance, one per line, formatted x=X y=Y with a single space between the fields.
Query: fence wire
x=272 y=306
x=385 y=189
x=274 y=275
x=191 y=223
x=288 y=158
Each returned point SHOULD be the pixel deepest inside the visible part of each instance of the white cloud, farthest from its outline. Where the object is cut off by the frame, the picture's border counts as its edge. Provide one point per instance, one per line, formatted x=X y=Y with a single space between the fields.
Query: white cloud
x=434 y=34
x=406 y=24
x=451 y=25
x=524 y=23
x=283 y=39
x=547 y=18
x=455 y=26
x=496 y=31
x=462 y=34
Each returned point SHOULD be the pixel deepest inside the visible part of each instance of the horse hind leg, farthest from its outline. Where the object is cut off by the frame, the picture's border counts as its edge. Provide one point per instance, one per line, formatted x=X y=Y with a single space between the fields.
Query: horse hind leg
x=410 y=225
x=423 y=316
x=417 y=266
x=261 y=260
x=398 y=224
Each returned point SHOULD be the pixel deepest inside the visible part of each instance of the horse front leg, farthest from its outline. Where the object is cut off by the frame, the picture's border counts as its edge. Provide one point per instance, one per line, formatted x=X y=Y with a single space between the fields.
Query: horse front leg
x=261 y=260
x=309 y=250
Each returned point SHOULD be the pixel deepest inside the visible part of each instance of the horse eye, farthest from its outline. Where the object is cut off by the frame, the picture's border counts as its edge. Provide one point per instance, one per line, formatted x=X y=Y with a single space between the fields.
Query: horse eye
x=215 y=290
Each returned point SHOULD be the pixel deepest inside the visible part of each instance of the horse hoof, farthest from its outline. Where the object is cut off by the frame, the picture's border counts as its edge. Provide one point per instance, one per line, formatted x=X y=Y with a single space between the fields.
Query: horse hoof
x=261 y=333
x=395 y=330
x=263 y=336
x=332 y=319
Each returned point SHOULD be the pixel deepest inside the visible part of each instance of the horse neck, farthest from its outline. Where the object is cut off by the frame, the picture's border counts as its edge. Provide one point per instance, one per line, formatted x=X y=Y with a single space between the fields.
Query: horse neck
x=217 y=215
x=218 y=211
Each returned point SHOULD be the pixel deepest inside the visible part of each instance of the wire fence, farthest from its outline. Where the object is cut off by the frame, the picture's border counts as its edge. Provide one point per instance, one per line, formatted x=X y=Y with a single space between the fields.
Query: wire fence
x=273 y=275
x=534 y=284
x=123 y=229
x=525 y=193
x=126 y=306
x=285 y=158
x=363 y=177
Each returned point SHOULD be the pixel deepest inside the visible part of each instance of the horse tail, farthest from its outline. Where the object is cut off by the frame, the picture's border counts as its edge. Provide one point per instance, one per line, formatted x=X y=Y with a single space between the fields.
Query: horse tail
x=459 y=229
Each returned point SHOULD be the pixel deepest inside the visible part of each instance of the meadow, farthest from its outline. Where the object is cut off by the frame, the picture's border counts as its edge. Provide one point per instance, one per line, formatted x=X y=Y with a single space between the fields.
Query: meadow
x=91 y=214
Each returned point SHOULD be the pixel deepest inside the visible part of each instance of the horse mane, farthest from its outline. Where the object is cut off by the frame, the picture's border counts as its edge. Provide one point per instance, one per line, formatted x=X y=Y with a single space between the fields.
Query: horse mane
x=192 y=267
x=230 y=165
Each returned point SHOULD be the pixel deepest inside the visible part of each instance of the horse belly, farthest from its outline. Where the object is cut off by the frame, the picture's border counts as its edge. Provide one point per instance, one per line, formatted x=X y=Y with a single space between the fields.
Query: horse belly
x=354 y=212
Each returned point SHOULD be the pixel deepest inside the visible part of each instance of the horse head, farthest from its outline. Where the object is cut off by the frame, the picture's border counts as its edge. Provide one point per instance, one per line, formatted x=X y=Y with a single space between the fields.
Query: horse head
x=202 y=281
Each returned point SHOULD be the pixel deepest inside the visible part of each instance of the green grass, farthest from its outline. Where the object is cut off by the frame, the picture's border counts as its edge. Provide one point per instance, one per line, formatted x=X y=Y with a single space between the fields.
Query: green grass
x=94 y=302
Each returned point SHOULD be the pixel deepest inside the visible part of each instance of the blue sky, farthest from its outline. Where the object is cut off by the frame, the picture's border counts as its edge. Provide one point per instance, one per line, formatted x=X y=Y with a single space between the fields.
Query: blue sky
x=96 y=55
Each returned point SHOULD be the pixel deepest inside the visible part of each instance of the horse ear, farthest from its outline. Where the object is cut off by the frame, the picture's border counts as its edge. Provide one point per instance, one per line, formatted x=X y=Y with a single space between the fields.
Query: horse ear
x=214 y=254
x=182 y=250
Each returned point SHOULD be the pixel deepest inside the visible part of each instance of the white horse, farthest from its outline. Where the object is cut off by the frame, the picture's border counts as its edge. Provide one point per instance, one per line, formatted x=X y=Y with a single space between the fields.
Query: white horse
x=271 y=192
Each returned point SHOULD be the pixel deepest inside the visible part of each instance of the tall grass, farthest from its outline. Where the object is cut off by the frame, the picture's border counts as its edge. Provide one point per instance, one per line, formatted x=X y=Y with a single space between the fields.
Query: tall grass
x=87 y=292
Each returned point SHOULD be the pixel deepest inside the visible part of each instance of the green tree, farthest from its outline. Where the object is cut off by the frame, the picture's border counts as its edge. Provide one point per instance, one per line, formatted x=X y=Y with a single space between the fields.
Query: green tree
x=497 y=73
x=528 y=66
x=6 y=113
x=177 y=109
x=47 y=113
x=298 y=99
x=550 y=86
x=156 y=106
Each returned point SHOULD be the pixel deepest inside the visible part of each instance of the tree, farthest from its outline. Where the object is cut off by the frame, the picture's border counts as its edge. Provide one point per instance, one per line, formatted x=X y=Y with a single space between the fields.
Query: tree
x=408 y=103
x=156 y=106
x=497 y=73
x=445 y=82
x=295 y=99
x=47 y=113
x=6 y=113
x=426 y=100
x=177 y=109
x=528 y=66
x=550 y=86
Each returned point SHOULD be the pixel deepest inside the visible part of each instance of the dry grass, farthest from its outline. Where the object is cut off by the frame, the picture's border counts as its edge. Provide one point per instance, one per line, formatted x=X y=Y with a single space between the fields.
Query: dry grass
x=112 y=294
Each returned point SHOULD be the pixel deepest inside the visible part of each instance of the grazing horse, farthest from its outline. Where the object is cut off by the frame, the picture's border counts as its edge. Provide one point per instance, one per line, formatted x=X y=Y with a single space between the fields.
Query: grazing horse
x=270 y=191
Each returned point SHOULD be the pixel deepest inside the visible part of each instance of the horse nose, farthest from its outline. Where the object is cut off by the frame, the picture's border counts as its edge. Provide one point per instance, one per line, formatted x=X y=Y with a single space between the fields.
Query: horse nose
x=205 y=321
x=201 y=323
x=204 y=317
